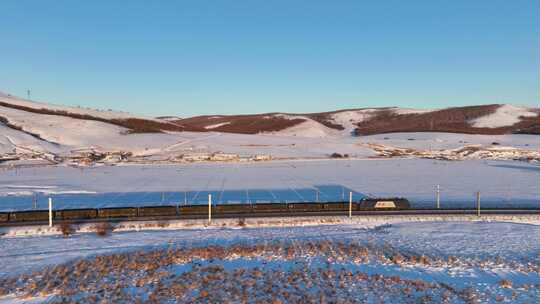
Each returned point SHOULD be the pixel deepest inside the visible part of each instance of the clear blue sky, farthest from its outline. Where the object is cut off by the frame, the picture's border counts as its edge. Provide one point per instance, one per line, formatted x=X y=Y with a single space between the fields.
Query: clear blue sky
x=200 y=57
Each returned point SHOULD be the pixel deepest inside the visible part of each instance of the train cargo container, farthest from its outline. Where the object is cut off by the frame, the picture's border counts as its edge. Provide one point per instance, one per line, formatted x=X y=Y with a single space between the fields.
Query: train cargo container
x=338 y=206
x=28 y=216
x=232 y=208
x=117 y=212
x=304 y=207
x=75 y=214
x=193 y=210
x=270 y=207
x=158 y=211
x=4 y=217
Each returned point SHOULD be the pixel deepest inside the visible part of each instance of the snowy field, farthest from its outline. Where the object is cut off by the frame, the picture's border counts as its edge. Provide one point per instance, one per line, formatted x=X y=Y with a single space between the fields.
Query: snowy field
x=432 y=262
x=439 y=141
x=501 y=183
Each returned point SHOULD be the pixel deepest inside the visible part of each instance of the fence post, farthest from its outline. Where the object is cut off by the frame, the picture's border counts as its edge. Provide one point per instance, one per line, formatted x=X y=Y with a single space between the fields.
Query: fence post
x=50 y=213
x=438 y=197
x=478 y=203
x=350 y=204
x=209 y=208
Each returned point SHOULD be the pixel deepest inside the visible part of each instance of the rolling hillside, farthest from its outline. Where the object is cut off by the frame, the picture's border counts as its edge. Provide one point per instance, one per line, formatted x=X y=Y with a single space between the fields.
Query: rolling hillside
x=31 y=130
x=486 y=119
x=32 y=117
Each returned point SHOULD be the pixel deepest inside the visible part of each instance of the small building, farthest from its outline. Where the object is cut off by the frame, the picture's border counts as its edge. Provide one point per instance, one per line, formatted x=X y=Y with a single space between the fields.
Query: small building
x=220 y=156
x=262 y=157
x=194 y=157
x=117 y=156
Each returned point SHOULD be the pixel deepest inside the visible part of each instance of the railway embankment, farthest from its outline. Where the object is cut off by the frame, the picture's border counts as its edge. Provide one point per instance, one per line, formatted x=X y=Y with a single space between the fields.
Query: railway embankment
x=361 y=221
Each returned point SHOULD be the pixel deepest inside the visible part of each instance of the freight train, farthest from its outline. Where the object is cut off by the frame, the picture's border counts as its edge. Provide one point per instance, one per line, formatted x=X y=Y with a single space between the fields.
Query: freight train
x=368 y=204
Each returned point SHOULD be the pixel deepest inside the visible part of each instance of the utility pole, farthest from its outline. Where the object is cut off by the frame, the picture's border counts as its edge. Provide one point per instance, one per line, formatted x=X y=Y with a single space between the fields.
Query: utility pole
x=350 y=204
x=209 y=208
x=478 y=203
x=438 y=197
x=50 y=213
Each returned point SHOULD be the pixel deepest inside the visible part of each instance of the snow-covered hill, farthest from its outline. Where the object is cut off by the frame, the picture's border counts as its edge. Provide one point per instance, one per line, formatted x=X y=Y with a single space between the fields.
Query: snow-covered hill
x=62 y=129
x=40 y=131
x=105 y=114
x=487 y=119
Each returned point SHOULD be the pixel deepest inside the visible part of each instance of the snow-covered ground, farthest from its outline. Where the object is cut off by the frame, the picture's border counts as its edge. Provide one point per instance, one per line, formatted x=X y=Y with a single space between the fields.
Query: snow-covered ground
x=167 y=146
x=501 y=183
x=432 y=261
x=506 y=115
x=349 y=119
x=437 y=141
x=12 y=141
x=309 y=128
x=302 y=166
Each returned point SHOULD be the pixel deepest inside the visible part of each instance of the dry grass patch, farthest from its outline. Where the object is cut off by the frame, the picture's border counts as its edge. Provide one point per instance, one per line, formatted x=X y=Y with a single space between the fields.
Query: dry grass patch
x=241 y=222
x=505 y=283
x=66 y=228
x=294 y=271
x=103 y=229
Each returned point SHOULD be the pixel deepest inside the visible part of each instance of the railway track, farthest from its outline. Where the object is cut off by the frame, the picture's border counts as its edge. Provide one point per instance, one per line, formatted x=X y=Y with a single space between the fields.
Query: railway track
x=276 y=214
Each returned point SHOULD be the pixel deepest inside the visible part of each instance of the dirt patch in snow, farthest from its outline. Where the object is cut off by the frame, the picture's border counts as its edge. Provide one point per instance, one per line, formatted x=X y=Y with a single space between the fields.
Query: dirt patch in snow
x=242 y=124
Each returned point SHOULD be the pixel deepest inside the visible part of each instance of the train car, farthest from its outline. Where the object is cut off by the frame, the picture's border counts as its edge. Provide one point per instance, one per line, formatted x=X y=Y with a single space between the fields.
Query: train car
x=338 y=206
x=305 y=207
x=28 y=216
x=4 y=217
x=232 y=209
x=270 y=207
x=75 y=214
x=158 y=211
x=117 y=212
x=193 y=210
x=395 y=203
